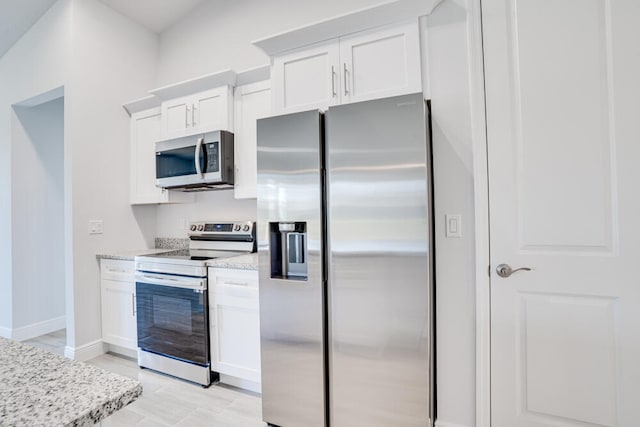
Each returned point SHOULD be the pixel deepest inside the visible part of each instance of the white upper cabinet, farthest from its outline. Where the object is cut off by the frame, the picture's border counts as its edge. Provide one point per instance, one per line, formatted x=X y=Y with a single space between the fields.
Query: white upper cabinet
x=144 y=132
x=198 y=105
x=367 y=65
x=252 y=102
x=198 y=113
x=381 y=63
x=306 y=78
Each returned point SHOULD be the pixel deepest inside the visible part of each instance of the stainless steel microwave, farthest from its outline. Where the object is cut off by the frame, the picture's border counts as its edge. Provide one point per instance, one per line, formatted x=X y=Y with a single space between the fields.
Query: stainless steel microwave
x=193 y=163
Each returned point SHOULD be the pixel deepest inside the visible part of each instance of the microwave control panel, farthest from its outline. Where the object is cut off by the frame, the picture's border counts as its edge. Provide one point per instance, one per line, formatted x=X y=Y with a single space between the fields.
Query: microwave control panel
x=213 y=157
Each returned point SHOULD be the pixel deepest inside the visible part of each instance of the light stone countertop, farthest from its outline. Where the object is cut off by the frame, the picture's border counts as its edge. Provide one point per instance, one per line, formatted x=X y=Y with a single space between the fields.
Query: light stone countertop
x=130 y=255
x=240 y=262
x=39 y=388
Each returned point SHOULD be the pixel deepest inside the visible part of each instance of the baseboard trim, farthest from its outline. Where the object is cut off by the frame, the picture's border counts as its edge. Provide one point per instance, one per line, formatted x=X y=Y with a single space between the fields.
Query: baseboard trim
x=241 y=383
x=126 y=352
x=5 y=332
x=85 y=352
x=447 y=424
x=37 y=329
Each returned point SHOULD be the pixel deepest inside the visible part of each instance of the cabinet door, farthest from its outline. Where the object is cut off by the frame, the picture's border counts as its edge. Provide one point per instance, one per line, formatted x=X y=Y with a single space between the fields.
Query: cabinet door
x=144 y=132
x=118 y=314
x=381 y=63
x=211 y=110
x=177 y=118
x=252 y=102
x=235 y=323
x=306 y=79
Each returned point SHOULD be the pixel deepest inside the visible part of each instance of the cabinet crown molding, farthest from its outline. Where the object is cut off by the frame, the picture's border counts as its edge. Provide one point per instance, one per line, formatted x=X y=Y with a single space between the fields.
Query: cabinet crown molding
x=141 y=104
x=385 y=13
x=195 y=85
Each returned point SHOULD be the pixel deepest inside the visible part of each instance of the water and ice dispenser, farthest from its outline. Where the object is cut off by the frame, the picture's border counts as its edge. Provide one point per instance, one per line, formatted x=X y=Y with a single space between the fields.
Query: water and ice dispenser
x=288 y=249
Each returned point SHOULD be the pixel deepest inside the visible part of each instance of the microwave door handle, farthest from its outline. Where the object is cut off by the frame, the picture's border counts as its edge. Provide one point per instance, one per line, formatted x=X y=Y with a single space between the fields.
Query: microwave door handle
x=197 y=156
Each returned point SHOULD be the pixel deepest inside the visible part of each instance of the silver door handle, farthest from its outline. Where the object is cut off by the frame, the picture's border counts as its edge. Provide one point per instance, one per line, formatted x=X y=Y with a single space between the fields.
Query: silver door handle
x=133 y=304
x=193 y=115
x=346 y=88
x=186 y=116
x=333 y=81
x=505 y=270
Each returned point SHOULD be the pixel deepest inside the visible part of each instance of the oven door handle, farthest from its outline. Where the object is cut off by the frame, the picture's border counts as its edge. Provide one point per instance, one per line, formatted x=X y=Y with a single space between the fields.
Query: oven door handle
x=196 y=284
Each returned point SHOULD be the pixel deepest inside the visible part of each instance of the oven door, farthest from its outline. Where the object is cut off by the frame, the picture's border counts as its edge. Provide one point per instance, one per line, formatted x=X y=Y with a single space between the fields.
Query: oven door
x=173 y=316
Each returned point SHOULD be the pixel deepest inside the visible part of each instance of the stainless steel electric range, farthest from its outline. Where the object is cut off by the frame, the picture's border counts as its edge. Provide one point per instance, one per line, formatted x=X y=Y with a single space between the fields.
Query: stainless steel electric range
x=172 y=300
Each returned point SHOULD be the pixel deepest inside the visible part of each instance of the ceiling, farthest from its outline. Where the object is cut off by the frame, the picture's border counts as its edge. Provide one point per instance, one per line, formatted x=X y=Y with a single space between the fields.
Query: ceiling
x=156 y=15
x=18 y=16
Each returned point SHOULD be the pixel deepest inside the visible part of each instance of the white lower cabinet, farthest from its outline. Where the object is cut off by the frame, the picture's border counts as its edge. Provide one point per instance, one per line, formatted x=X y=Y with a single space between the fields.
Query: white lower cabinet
x=235 y=326
x=118 y=290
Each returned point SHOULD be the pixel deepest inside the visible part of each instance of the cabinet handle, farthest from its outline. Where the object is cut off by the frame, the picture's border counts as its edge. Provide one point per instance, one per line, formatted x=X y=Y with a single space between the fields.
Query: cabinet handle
x=186 y=117
x=115 y=270
x=333 y=81
x=346 y=89
x=230 y=282
x=133 y=304
x=193 y=115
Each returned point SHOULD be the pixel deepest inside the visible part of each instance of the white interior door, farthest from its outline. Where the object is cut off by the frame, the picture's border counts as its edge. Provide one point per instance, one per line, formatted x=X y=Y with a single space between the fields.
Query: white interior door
x=562 y=90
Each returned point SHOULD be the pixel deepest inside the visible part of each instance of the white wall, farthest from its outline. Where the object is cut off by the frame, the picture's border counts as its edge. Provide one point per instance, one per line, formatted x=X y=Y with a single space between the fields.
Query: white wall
x=38 y=218
x=37 y=63
x=449 y=80
x=102 y=59
x=113 y=61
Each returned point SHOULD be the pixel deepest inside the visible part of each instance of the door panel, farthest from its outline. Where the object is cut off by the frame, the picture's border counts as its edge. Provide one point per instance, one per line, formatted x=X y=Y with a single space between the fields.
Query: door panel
x=307 y=79
x=381 y=63
x=211 y=110
x=252 y=102
x=379 y=263
x=176 y=117
x=555 y=359
x=291 y=311
x=562 y=109
x=561 y=93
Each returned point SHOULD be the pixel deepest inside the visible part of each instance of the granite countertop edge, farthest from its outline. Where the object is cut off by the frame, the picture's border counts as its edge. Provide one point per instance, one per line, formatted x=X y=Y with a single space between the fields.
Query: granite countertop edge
x=42 y=388
x=130 y=255
x=239 y=262
x=107 y=408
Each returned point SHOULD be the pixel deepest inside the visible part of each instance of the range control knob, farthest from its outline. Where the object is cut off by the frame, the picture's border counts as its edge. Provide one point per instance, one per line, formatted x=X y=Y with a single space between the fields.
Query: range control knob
x=193 y=227
x=237 y=227
x=246 y=227
x=200 y=227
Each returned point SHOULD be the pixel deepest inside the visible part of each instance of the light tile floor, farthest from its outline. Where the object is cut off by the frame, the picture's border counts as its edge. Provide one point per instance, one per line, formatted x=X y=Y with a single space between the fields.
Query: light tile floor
x=167 y=401
x=54 y=342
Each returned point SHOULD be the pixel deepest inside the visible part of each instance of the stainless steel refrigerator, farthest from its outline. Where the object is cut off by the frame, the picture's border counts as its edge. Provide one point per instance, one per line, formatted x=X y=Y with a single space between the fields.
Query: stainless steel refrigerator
x=346 y=265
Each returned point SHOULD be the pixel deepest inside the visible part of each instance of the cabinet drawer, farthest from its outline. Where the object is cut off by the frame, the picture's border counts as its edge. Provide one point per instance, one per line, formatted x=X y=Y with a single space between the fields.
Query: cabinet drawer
x=230 y=277
x=118 y=270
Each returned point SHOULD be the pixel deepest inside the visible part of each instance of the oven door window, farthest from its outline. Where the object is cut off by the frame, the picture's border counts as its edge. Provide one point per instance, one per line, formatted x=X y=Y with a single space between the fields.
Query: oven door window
x=179 y=162
x=173 y=322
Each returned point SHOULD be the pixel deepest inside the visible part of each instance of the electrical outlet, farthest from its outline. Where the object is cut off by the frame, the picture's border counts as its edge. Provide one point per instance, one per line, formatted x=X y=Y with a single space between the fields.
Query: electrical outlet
x=96 y=226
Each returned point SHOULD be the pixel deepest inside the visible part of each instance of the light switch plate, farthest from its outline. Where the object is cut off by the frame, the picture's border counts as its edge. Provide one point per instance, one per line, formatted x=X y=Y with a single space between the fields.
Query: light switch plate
x=453 y=226
x=96 y=226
